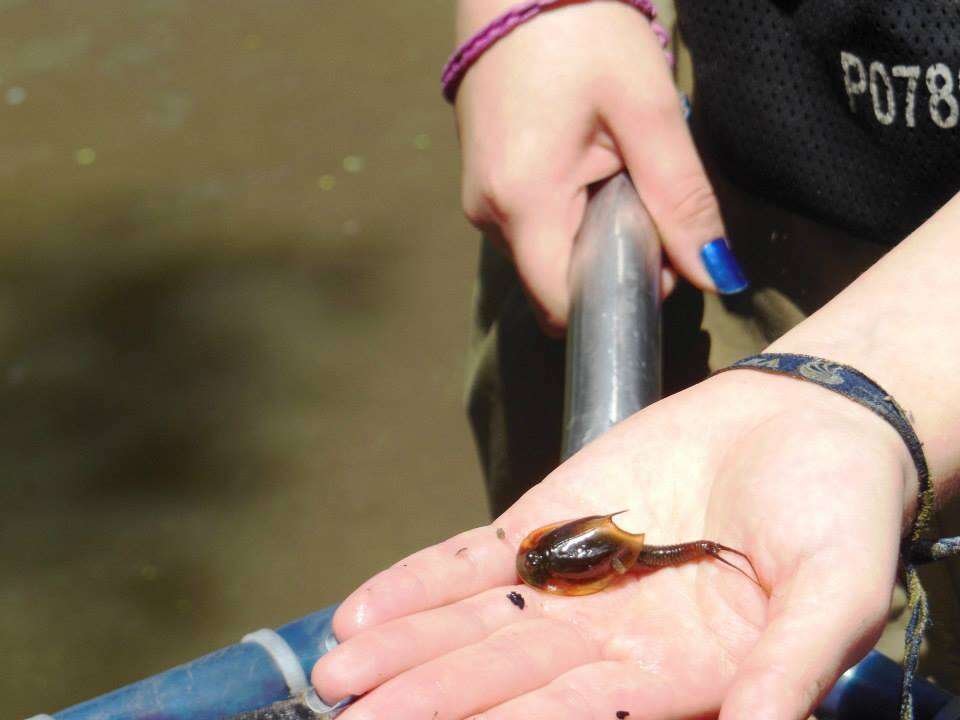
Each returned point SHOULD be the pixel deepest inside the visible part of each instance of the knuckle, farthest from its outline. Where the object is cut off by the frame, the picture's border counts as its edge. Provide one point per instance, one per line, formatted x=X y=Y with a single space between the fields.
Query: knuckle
x=658 y=109
x=492 y=201
x=694 y=201
x=476 y=207
x=499 y=187
x=506 y=187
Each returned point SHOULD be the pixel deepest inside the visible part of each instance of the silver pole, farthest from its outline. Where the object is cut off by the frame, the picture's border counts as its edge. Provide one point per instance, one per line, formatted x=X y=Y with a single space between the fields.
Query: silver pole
x=613 y=340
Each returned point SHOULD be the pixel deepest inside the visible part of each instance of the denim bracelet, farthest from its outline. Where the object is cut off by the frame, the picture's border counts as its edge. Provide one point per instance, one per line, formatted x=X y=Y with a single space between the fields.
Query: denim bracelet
x=856 y=386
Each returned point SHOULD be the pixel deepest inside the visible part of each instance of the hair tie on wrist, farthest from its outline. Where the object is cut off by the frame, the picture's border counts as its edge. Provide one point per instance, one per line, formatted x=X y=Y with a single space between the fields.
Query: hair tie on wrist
x=853 y=384
x=468 y=53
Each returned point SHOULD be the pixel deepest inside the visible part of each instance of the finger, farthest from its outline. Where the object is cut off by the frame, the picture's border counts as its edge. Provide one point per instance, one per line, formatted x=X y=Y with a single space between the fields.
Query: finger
x=512 y=661
x=387 y=650
x=533 y=216
x=666 y=169
x=668 y=281
x=460 y=567
x=531 y=194
x=822 y=623
x=613 y=689
x=541 y=240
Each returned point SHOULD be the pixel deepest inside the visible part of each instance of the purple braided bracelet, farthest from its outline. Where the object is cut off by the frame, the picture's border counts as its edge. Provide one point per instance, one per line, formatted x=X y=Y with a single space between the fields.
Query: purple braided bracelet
x=472 y=49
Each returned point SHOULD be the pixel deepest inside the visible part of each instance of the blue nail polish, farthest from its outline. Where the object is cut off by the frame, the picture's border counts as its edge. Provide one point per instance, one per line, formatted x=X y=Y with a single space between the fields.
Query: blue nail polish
x=723 y=267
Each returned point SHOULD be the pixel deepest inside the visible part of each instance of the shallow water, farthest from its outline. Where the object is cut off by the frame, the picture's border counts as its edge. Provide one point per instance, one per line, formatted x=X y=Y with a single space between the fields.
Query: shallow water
x=234 y=298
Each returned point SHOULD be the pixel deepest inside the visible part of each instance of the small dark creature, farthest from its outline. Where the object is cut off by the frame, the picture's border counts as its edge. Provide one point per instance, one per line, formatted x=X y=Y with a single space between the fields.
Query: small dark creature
x=517 y=599
x=579 y=557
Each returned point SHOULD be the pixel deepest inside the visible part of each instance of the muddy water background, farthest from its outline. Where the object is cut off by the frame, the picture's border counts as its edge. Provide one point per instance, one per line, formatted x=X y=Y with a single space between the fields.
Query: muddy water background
x=234 y=292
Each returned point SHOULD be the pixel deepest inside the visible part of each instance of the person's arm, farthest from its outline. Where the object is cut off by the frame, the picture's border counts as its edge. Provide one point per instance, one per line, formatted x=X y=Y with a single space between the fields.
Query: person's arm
x=900 y=324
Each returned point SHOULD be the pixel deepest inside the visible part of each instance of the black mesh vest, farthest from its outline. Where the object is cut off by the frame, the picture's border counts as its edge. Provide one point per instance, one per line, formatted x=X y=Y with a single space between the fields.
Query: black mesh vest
x=848 y=112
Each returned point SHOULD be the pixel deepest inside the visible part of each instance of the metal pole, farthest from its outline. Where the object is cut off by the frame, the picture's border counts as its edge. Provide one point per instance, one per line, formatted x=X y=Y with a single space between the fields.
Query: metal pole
x=613 y=341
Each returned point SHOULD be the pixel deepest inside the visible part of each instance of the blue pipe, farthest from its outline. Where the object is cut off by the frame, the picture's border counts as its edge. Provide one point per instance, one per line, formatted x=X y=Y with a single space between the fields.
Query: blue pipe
x=249 y=675
x=870 y=690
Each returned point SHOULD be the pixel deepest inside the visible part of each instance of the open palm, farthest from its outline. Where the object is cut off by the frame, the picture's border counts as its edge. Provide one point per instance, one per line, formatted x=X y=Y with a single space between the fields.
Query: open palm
x=807 y=484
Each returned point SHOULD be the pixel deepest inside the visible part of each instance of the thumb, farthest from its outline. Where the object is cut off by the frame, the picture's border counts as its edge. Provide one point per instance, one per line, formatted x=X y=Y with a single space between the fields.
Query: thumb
x=826 y=621
x=662 y=160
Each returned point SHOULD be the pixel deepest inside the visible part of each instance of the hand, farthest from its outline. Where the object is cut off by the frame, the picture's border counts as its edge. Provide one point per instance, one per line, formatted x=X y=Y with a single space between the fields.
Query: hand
x=560 y=103
x=811 y=486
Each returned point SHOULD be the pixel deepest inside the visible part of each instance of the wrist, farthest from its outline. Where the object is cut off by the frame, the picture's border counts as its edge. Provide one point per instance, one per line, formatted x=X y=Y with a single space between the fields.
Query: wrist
x=869 y=348
x=767 y=397
x=477 y=33
x=896 y=323
x=475 y=14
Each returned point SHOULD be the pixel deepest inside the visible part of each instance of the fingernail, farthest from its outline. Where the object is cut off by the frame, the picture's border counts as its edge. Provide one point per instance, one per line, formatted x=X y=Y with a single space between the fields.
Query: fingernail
x=322 y=708
x=723 y=267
